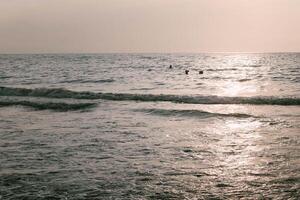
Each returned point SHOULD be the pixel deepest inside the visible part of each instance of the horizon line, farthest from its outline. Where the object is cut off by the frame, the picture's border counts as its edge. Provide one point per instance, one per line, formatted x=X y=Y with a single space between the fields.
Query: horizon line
x=116 y=52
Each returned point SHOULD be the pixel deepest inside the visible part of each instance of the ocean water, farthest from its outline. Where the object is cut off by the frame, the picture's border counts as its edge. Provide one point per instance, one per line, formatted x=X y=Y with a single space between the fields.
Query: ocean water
x=126 y=126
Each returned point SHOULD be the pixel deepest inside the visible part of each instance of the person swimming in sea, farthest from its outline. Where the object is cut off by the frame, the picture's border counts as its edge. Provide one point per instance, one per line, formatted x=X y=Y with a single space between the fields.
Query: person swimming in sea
x=170 y=67
x=201 y=72
x=187 y=71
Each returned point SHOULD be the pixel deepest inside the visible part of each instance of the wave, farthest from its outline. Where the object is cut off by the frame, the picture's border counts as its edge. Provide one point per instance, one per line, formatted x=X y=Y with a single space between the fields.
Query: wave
x=191 y=113
x=58 y=106
x=222 y=69
x=244 y=80
x=147 y=57
x=5 y=77
x=63 y=93
x=89 y=81
x=99 y=81
x=254 y=65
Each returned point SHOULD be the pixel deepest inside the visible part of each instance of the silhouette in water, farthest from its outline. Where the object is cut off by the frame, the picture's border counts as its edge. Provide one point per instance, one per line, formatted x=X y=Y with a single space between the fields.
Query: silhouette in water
x=187 y=71
x=200 y=72
x=170 y=67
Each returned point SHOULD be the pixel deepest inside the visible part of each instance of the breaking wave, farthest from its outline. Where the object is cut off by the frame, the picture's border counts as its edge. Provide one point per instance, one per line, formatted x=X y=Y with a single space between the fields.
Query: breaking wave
x=63 y=93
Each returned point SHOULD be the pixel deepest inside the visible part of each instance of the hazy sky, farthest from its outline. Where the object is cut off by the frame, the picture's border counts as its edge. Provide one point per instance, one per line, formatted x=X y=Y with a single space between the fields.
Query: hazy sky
x=70 y=26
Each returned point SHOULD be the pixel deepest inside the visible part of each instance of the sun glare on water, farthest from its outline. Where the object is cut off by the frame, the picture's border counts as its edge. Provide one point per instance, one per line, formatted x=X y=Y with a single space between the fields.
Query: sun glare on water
x=240 y=83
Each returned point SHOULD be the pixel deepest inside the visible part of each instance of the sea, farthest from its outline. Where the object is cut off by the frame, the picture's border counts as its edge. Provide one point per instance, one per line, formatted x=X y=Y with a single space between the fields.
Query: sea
x=129 y=126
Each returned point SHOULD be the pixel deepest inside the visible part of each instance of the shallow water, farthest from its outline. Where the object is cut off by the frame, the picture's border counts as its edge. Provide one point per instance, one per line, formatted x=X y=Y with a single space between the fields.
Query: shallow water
x=126 y=126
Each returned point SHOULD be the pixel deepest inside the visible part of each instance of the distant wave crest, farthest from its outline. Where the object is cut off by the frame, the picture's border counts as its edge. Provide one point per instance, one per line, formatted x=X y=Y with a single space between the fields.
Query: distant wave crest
x=63 y=93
